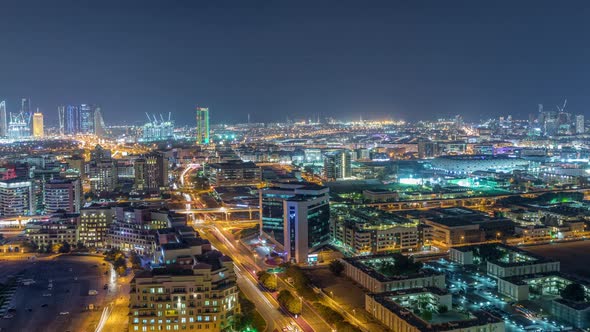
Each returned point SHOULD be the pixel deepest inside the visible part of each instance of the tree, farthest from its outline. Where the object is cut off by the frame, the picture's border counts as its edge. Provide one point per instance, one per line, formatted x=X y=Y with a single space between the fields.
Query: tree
x=64 y=248
x=249 y=318
x=300 y=281
x=574 y=292
x=80 y=245
x=490 y=253
x=269 y=281
x=121 y=270
x=331 y=316
x=30 y=246
x=336 y=267
x=135 y=260
x=289 y=302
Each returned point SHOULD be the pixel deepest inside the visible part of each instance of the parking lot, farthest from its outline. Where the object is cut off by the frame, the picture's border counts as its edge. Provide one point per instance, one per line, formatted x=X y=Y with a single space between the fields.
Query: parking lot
x=58 y=297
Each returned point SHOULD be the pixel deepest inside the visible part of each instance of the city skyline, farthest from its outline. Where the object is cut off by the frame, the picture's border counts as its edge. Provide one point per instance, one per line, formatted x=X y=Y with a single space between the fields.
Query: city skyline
x=309 y=166
x=400 y=61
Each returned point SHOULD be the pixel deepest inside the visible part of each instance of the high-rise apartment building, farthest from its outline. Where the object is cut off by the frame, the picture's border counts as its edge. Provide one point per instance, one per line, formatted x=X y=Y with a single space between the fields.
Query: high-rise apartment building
x=196 y=290
x=62 y=194
x=16 y=198
x=102 y=171
x=38 y=130
x=337 y=165
x=151 y=172
x=94 y=224
x=3 y=120
x=202 y=125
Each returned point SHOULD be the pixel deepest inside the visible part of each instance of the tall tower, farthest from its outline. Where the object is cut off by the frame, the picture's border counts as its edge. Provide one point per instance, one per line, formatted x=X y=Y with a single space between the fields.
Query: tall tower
x=3 y=122
x=61 y=113
x=38 y=124
x=202 y=125
x=72 y=120
x=99 y=126
x=87 y=119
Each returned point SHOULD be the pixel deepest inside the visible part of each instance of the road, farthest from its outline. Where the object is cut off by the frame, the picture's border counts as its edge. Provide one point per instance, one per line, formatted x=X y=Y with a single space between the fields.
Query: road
x=247 y=267
x=310 y=320
x=266 y=305
x=115 y=315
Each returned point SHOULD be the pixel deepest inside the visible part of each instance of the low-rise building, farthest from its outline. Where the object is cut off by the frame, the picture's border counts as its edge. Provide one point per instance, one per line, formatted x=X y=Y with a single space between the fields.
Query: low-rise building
x=397 y=310
x=134 y=228
x=373 y=231
x=58 y=229
x=233 y=173
x=369 y=273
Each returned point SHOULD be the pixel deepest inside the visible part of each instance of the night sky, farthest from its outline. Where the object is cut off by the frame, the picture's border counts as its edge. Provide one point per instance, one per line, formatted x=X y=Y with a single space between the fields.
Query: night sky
x=400 y=59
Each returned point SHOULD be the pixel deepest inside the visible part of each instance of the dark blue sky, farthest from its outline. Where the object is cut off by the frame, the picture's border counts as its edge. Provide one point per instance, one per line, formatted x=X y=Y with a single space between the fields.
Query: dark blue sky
x=404 y=59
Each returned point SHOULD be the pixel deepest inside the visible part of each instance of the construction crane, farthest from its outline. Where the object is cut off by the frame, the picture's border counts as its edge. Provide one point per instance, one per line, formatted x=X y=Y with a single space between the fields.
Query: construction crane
x=562 y=109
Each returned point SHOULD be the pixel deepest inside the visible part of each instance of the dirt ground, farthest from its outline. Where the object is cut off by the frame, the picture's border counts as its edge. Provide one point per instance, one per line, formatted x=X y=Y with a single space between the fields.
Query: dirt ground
x=574 y=256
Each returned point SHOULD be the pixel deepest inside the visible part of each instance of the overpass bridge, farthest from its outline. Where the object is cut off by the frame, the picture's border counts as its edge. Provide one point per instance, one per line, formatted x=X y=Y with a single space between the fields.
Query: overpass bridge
x=226 y=211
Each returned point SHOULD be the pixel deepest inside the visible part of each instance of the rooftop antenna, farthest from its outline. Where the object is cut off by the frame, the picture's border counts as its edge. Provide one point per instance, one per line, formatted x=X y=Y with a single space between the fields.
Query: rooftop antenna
x=169 y=116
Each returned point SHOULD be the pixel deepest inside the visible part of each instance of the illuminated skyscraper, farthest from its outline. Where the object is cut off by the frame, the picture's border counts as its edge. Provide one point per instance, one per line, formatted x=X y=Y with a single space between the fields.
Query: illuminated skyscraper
x=72 y=120
x=3 y=122
x=87 y=119
x=202 y=125
x=38 y=124
x=337 y=165
x=99 y=127
x=61 y=113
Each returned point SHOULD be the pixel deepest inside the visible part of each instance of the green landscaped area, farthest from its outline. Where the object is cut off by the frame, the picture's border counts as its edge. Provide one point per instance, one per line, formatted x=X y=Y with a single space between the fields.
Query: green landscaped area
x=392 y=265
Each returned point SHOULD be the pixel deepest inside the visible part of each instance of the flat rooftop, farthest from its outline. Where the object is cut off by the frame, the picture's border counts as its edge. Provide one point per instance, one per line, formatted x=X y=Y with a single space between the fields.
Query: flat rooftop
x=370 y=266
x=388 y=301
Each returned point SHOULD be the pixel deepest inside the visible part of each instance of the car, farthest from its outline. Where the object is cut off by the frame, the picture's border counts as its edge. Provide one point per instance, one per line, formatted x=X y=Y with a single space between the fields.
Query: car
x=46 y=294
x=44 y=305
x=8 y=316
x=29 y=309
x=63 y=313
